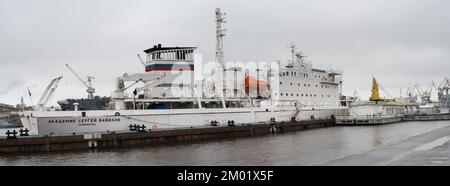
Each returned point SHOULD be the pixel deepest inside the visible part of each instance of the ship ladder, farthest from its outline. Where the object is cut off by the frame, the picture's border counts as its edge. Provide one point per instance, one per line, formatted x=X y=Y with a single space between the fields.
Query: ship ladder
x=294 y=116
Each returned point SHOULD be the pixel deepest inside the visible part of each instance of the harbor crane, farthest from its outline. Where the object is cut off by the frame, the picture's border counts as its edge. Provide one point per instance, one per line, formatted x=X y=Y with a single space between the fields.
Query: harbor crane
x=425 y=96
x=443 y=96
x=90 y=90
x=41 y=106
x=444 y=86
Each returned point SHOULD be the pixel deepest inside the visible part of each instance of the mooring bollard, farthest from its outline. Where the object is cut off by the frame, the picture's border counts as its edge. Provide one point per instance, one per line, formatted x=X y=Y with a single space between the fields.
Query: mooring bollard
x=133 y=127
x=24 y=132
x=231 y=123
x=273 y=125
x=141 y=128
x=214 y=123
x=11 y=135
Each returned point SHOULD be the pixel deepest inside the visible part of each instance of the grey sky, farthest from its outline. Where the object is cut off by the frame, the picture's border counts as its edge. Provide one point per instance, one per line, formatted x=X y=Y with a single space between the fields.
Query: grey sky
x=401 y=42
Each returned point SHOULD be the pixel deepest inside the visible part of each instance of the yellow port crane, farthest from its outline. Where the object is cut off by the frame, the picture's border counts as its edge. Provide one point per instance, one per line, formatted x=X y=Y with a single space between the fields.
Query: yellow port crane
x=375 y=92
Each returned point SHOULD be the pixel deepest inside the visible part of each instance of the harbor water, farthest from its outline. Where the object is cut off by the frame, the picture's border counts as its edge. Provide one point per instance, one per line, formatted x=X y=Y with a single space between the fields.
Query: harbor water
x=309 y=147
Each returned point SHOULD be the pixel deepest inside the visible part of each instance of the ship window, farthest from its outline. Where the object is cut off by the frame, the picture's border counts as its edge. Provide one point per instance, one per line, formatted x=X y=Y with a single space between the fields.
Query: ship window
x=295 y=73
x=317 y=85
x=281 y=94
x=310 y=95
x=314 y=95
x=291 y=84
x=299 y=84
x=281 y=83
x=309 y=85
x=302 y=95
x=305 y=84
x=297 y=95
x=287 y=73
x=292 y=94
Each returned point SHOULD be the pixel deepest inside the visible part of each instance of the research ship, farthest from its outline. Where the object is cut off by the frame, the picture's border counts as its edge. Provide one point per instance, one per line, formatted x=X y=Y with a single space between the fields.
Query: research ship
x=169 y=95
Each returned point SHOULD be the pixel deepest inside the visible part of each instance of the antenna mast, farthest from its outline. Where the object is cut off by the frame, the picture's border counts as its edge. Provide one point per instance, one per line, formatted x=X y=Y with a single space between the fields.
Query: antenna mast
x=293 y=48
x=220 y=33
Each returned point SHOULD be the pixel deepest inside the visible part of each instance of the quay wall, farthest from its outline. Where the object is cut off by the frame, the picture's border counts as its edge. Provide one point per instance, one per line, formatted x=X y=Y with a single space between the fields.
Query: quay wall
x=33 y=144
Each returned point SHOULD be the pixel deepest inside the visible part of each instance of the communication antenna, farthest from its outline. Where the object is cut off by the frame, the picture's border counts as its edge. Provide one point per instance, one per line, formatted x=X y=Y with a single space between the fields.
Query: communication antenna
x=140 y=59
x=293 y=47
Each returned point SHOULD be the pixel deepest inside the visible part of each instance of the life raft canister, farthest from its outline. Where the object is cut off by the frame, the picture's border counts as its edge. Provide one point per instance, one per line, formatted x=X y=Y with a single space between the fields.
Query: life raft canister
x=154 y=127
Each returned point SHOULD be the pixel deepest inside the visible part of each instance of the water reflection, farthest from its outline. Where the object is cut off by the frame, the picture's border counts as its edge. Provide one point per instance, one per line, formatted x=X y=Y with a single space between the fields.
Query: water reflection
x=296 y=148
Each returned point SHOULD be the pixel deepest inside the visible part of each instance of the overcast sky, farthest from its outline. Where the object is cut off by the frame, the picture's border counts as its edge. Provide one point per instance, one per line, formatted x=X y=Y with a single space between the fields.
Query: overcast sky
x=400 y=42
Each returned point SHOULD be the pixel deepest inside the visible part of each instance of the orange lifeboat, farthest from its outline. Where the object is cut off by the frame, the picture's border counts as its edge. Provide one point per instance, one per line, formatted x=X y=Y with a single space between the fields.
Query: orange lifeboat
x=251 y=83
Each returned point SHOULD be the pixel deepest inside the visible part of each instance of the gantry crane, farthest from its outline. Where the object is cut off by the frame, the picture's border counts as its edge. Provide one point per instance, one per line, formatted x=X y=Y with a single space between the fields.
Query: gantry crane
x=90 y=90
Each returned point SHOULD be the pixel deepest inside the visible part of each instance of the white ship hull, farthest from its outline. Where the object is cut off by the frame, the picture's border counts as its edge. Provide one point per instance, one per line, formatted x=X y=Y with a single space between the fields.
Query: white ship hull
x=65 y=123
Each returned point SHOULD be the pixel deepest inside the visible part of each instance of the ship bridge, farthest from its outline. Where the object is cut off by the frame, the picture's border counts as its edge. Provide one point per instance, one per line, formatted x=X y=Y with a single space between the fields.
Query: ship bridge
x=169 y=58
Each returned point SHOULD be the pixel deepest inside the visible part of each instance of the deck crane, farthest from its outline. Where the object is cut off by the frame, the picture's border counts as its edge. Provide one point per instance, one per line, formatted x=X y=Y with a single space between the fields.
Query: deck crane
x=90 y=90
x=48 y=94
